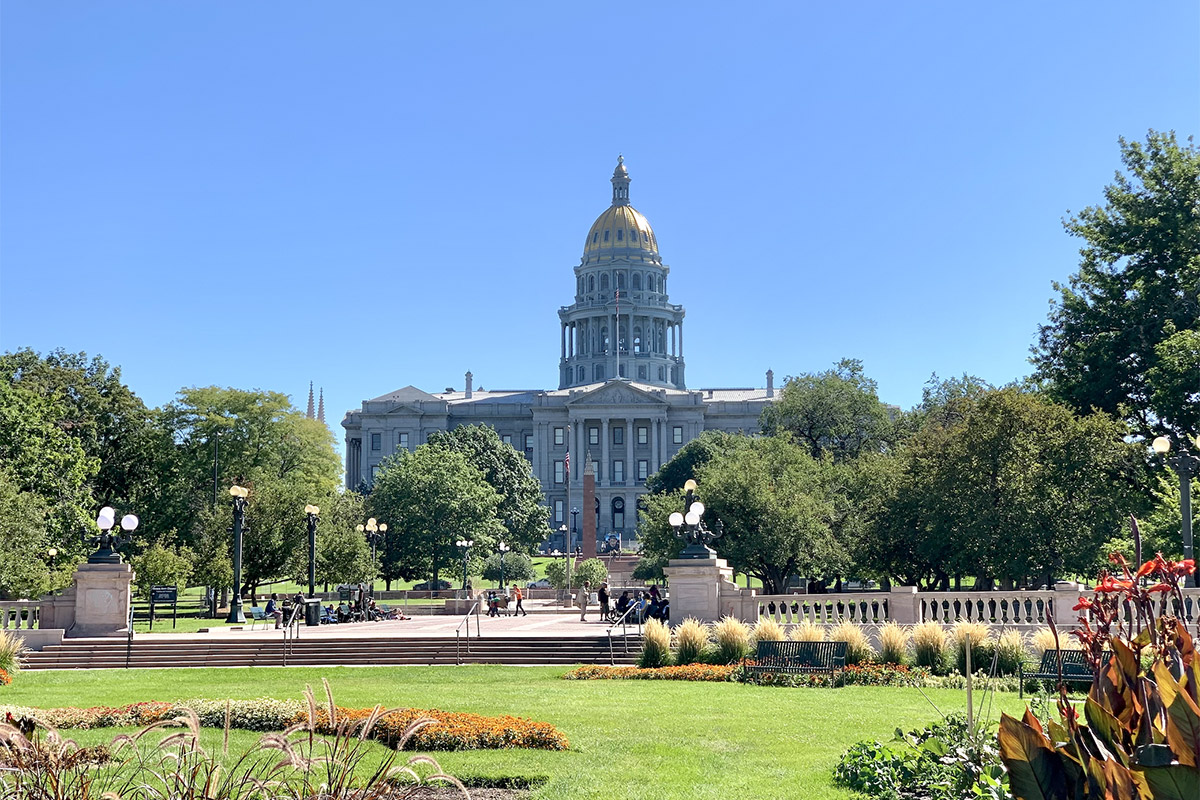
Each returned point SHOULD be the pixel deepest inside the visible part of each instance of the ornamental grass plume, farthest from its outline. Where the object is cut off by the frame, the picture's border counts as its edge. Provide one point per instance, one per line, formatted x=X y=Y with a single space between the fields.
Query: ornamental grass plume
x=1010 y=652
x=691 y=639
x=929 y=646
x=732 y=637
x=858 y=647
x=807 y=631
x=656 y=645
x=893 y=643
x=1043 y=640
x=767 y=630
x=979 y=638
x=12 y=652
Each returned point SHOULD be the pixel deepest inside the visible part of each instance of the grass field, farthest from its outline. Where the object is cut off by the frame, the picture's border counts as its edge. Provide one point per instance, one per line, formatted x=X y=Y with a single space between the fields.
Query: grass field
x=629 y=739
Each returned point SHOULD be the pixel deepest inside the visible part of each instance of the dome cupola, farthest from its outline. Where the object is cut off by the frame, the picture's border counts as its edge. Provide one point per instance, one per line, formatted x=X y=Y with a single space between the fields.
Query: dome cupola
x=621 y=232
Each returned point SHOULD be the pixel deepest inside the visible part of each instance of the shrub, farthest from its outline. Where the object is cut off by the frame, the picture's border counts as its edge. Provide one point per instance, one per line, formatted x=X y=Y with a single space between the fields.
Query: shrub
x=691 y=638
x=767 y=630
x=860 y=675
x=732 y=640
x=929 y=646
x=983 y=646
x=807 y=631
x=1043 y=640
x=689 y=672
x=12 y=652
x=1010 y=652
x=656 y=645
x=858 y=648
x=893 y=643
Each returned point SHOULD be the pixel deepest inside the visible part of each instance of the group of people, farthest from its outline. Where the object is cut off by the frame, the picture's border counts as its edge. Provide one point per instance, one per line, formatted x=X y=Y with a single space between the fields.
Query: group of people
x=500 y=600
x=650 y=604
x=359 y=611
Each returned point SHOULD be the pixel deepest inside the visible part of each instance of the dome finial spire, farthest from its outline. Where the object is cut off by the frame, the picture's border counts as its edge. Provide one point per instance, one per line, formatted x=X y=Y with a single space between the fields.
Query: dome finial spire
x=620 y=182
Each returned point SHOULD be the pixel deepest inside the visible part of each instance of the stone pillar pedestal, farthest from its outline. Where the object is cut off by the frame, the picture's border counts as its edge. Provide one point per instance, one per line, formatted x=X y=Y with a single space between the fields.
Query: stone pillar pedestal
x=1066 y=595
x=696 y=585
x=904 y=606
x=102 y=600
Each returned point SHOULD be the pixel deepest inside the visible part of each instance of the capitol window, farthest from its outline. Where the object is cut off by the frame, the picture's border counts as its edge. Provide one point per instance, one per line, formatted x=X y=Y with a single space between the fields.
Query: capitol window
x=606 y=236
x=593 y=436
x=591 y=283
x=376 y=441
x=560 y=511
x=507 y=439
x=618 y=436
x=641 y=434
x=595 y=237
x=677 y=434
x=618 y=513
x=559 y=436
x=403 y=443
x=618 y=471
x=558 y=472
x=620 y=235
x=637 y=282
x=643 y=469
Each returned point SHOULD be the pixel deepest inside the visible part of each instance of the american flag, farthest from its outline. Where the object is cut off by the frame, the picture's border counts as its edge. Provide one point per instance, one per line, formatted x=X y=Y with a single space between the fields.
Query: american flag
x=567 y=462
x=618 y=302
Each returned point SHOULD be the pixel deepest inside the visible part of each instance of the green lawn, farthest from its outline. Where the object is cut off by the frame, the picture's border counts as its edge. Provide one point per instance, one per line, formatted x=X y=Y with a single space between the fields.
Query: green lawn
x=628 y=738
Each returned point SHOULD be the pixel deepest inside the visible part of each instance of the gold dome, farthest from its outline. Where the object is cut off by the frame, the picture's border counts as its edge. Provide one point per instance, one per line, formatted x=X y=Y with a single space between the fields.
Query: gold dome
x=621 y=231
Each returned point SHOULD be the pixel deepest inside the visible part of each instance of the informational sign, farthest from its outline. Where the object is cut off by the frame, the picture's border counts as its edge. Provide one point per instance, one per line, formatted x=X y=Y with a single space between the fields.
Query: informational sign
x=344 y=594
x=164 y=594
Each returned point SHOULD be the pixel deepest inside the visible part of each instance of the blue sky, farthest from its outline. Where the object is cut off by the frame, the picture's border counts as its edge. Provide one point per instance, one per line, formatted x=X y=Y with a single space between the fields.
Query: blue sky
x=369 y=195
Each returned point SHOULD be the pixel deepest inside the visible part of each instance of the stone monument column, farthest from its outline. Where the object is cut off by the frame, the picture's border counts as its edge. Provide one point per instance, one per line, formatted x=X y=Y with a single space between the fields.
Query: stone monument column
x=102 y=600
x=589 y=510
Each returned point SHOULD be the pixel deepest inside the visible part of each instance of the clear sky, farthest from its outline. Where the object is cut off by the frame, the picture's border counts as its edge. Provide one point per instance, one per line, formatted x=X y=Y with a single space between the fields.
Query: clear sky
x=374 y=194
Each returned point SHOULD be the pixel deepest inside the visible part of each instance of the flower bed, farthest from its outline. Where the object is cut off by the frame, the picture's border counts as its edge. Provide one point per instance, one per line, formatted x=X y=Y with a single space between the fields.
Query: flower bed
x=448 y=731
x=689 y=672
x=854 y=675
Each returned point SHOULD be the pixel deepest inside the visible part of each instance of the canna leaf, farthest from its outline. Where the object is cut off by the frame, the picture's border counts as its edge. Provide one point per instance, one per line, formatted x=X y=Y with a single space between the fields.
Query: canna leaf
x=1035 y=770
x=1183 y=717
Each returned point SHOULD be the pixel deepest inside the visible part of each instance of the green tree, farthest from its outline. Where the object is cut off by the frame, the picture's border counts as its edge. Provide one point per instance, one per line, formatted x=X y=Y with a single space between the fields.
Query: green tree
x=518 y=568
x=1108 y=342
x=591 y=570
x=275 y=536
x=162 y=565
x=430 y=498
x=682 y=466
x=836 y=412
x=24 y=560
x=522 y=507
x=343 y=554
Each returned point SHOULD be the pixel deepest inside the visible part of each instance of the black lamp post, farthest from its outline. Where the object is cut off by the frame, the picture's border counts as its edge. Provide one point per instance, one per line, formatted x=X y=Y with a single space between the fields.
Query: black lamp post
x=689 y=526
x=1186 y=464
x=239 y=494
x=52 y=552
x=502 y=548
x=465 y=546
x=574 y=525
x=375 y=532
x=312 y=512
x=563 y=530
x=107 y=541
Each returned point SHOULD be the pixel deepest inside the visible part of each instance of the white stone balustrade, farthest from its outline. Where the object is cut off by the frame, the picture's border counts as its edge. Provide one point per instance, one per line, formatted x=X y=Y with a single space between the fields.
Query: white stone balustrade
x=20 y=614
x=825 y=609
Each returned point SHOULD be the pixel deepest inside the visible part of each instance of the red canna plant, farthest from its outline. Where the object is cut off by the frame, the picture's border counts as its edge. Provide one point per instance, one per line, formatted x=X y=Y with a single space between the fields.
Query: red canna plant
x=1140 y=733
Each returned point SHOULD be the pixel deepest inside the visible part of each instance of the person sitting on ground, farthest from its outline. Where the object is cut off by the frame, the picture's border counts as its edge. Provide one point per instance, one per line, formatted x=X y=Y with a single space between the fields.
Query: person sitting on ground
x=272 y=610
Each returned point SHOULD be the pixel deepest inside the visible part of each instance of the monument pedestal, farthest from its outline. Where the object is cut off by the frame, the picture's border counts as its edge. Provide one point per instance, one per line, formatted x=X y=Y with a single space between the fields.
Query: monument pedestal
x=102 y=600
x=696 y=588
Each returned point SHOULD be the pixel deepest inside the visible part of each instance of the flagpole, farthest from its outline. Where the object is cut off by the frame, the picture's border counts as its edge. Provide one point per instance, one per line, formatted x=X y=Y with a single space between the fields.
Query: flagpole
x=617 y=336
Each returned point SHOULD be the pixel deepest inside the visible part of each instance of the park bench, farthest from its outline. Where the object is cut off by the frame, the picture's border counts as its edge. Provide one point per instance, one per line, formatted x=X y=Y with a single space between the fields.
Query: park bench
x=257 y=615
x=1075 y=668
x=799 y=657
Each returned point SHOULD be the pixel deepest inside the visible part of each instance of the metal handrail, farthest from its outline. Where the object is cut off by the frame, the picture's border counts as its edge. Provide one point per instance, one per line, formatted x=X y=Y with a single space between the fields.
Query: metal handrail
x=458 y=629
x=288 y=633
x=129 y=640
x=612 y=658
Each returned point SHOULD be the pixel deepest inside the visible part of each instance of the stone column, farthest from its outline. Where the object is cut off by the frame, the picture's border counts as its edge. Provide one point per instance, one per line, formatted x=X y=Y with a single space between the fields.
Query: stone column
x=102 y=600
x=655 y=425
x=904 y=605
x=589 y=511
x=629 y=468
x=681 y=338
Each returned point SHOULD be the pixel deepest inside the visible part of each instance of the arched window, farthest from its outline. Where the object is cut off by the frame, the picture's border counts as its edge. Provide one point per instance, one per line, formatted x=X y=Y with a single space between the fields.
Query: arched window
x=662 y=374
x=637 y=286
x=641 y=372
x=582 y=374
x=637 y=340
x=591 y=283
x=618 y=513
x=604 y=339
x=604 y=282
x=620 y=280
x=650 y=283
x=598 y=372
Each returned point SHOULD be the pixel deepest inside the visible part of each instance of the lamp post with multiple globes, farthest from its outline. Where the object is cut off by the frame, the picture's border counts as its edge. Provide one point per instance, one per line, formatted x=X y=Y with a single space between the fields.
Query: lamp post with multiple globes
x=312 y=512
x=689 y=526
x=239 y=495
x=107 y=541
x=502 y=548
x=465 y=545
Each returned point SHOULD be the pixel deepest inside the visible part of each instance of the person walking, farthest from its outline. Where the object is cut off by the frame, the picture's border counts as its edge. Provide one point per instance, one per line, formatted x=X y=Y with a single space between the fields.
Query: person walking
x=517 y=598
x=581 y=600
x=602 y=596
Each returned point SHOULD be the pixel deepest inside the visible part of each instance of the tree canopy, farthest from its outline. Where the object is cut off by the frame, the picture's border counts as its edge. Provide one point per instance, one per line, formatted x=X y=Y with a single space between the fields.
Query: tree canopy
x=1122 y=335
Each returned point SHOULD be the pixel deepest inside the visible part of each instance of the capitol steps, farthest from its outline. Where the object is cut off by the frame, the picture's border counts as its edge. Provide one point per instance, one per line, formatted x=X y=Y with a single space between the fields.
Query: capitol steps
x=190 y=651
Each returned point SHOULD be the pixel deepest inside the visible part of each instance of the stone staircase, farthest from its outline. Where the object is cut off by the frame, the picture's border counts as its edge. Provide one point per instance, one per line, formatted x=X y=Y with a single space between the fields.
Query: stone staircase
x=200 y=651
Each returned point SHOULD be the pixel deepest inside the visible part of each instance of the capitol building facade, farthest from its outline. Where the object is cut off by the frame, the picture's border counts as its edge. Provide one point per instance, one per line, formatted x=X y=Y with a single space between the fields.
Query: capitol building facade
x=621 y=401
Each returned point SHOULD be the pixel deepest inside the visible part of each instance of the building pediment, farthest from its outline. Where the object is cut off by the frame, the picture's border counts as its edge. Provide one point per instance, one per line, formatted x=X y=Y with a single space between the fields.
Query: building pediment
x=616 y=393
x=409 y=394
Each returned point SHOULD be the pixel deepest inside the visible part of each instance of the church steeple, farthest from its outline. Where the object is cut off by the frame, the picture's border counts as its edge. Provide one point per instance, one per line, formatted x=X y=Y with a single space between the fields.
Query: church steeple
x=321 y=406
x=620 y=182
x=309 y=413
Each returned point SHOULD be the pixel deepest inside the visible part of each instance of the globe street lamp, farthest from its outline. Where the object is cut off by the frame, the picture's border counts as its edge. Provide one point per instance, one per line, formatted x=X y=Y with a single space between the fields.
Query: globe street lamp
x=52 y=552
x=563 y=530
x=239 y=494
x=566 y=569
x=312 y=512
x=1186 y=464
x=503 y=548
x=107 y=541
x=689 y=526
x=465 y=545
x=574 y=525
x=375 y=531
